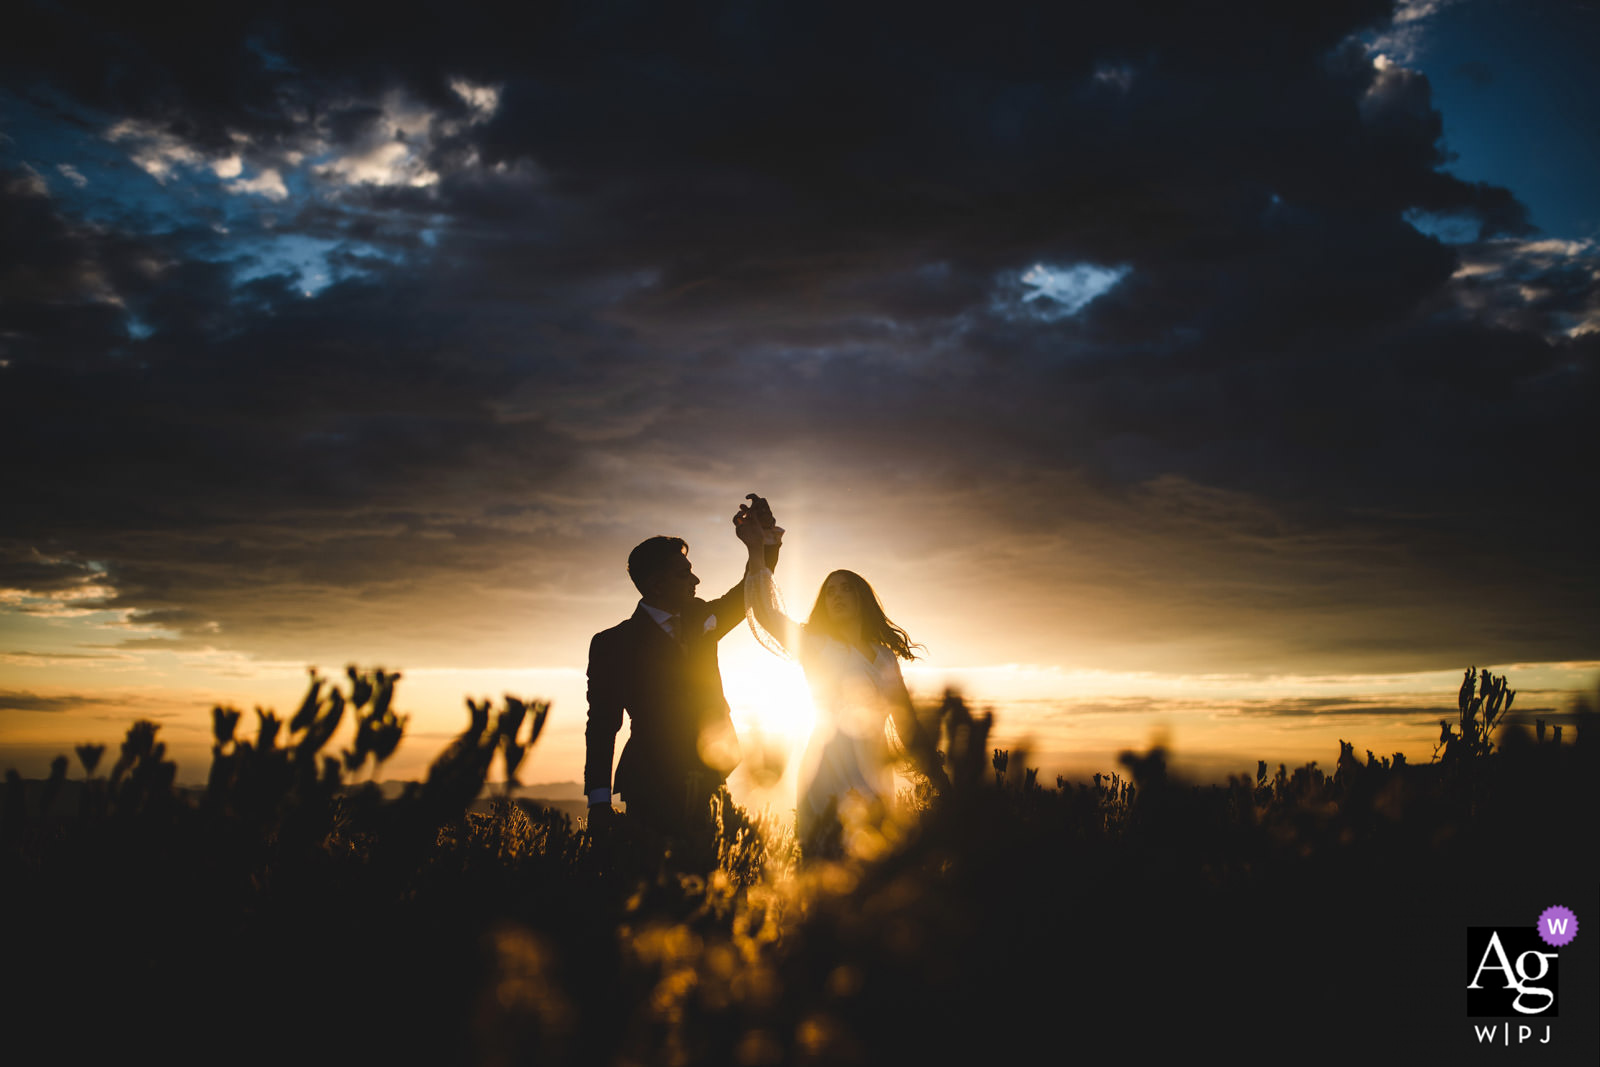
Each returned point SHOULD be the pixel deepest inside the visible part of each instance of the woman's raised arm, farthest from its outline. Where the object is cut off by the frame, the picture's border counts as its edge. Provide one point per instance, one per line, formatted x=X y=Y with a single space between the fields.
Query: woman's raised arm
x=775 y=630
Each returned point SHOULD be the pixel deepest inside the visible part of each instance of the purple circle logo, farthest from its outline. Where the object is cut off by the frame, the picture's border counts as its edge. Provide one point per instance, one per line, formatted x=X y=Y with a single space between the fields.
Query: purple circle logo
x=1557 y=925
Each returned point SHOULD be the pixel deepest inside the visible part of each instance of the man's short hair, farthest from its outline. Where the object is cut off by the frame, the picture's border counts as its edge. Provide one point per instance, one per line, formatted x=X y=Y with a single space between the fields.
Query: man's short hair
x=651 y=556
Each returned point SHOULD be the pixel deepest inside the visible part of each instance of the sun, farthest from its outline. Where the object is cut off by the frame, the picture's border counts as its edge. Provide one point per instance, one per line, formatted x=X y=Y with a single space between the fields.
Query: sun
x=767 y=695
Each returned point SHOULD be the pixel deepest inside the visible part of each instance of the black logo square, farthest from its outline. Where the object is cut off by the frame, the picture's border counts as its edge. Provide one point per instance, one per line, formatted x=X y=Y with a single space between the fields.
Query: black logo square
x=1511 y=973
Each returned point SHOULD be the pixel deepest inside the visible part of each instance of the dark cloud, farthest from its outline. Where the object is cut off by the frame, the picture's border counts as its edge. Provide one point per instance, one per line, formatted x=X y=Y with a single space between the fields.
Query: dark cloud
x=1329 y=707
x=16 y=700
x=689 y=246
x=31 y=572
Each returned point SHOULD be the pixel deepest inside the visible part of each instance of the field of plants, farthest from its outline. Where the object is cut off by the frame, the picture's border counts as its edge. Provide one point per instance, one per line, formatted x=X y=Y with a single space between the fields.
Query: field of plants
x=288 y=914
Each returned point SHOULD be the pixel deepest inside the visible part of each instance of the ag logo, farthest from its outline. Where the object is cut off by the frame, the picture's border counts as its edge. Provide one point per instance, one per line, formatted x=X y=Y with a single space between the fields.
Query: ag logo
x=1510 y=971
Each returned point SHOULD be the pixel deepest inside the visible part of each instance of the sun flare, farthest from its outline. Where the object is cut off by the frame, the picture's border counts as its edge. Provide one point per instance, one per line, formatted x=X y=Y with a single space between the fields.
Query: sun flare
x=768 y=696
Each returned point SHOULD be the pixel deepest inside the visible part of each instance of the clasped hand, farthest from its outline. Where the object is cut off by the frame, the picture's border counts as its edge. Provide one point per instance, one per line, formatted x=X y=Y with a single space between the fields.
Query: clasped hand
x=752 y=521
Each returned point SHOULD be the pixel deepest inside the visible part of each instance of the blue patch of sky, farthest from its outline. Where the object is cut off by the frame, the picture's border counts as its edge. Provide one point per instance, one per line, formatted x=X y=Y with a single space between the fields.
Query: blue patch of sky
x=1450 y=229
x=1052 y=292
x=33 y=137
x=193 y=205
x=1517 y=89
x=313 y=262
x=270 y=60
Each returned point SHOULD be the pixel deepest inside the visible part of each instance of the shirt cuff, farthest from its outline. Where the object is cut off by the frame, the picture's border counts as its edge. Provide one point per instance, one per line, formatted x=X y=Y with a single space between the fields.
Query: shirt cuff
x=599 y=796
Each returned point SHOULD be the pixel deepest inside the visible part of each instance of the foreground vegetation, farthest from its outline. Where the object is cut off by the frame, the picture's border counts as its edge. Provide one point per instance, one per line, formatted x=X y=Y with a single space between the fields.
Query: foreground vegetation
x=290 y=914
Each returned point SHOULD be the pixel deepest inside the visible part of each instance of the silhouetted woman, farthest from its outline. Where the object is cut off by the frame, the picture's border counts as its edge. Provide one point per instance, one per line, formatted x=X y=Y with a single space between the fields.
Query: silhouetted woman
x=851 y=654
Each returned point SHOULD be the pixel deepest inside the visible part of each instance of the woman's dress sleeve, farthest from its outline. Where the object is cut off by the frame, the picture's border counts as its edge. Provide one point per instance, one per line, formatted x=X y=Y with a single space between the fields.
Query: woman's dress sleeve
x=778 y=633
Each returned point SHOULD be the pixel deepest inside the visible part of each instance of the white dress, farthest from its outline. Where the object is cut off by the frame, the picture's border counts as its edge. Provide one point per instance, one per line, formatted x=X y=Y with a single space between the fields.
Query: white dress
x=847 y=759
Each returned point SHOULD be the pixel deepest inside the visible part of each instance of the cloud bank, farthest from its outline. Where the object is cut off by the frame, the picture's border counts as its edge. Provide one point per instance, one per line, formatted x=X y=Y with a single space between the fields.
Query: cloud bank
x=1150 y=337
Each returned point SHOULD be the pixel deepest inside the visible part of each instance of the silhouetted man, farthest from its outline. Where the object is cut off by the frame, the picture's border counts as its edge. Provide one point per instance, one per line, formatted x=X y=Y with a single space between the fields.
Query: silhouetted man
x=660 y=666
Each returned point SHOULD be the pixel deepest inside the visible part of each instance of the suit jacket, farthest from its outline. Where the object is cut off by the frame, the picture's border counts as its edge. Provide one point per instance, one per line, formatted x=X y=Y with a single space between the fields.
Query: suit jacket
x=672 y=693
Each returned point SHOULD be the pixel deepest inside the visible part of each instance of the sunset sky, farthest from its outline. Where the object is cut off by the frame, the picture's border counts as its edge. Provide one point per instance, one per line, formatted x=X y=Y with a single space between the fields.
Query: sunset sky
x=1221 y=376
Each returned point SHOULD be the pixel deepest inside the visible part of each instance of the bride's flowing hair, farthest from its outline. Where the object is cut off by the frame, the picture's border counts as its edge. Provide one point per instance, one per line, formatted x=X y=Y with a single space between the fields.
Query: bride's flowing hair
x=875 y=625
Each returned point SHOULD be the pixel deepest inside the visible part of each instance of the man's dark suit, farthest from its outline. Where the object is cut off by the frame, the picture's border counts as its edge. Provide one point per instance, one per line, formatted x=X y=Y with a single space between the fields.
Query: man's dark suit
x=683 y=744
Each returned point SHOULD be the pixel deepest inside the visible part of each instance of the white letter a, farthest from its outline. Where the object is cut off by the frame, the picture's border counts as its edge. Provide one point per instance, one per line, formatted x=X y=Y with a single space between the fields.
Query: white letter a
x=1505 y=964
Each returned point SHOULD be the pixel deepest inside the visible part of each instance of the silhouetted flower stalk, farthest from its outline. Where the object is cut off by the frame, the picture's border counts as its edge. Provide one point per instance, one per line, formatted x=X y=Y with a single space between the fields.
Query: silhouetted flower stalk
x=141 y=775
x=267 y=728
x=379 y=728
x=89 y=756
x=507 y=727
x=92 y=801
x=53 y=784
x=457 y=777
x=966 y=740
x=223 y=723
x=317 y=728
x=307 y=712
x=362 y=686
x=1482 y=700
